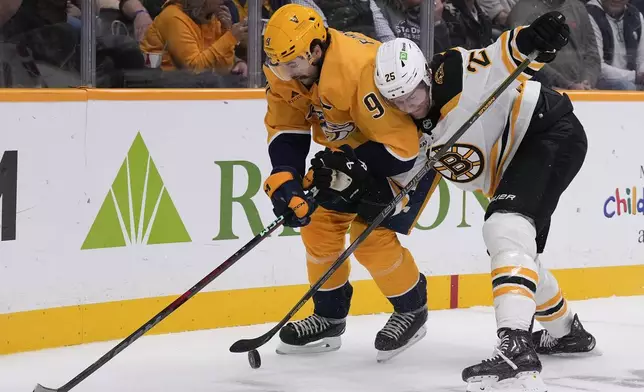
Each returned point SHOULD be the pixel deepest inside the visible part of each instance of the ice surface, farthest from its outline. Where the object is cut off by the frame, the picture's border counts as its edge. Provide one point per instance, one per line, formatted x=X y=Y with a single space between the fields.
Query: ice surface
x=200 y=361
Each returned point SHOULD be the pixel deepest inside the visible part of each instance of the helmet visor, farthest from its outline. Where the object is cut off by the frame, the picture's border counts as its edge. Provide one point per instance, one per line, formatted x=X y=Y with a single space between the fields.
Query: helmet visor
x=290 y=70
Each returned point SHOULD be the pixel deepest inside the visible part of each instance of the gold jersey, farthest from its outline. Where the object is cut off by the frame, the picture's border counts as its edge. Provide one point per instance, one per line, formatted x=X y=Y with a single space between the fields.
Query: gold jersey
x=343 y=106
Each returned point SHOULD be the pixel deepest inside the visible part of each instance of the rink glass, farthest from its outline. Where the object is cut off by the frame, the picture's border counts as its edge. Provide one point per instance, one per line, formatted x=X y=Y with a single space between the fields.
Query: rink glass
x=68 y=52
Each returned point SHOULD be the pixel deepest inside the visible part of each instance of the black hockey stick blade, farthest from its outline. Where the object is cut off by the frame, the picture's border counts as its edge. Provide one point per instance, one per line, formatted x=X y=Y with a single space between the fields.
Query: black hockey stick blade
x=245 y=345
x=168 y=309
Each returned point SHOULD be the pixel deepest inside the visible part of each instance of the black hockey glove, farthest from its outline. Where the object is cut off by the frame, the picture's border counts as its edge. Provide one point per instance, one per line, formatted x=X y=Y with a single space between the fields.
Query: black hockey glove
x=548 y=34
x=284 y=187
x=339 y=172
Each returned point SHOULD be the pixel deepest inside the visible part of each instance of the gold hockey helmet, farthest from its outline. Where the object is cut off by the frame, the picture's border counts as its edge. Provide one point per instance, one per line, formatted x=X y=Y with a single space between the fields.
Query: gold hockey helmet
x=288 y=35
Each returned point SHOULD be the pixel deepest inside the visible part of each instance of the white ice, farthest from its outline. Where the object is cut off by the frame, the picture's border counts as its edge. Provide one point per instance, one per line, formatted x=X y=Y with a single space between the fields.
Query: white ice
x=200 y=361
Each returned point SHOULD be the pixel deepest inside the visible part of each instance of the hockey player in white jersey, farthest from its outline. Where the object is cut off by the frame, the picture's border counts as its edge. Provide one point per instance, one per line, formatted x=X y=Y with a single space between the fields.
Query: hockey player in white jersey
x=523 y=152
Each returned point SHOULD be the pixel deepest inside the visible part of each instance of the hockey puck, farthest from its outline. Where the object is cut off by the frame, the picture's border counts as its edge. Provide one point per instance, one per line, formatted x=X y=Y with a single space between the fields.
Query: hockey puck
x=254 y=360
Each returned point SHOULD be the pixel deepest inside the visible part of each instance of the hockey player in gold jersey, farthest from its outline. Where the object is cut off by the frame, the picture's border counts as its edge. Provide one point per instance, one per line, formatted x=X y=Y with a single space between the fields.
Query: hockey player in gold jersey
x=523 y=152
x=321 y=88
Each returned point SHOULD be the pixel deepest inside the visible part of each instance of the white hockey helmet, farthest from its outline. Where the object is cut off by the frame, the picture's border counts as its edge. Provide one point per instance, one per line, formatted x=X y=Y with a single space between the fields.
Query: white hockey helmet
x=400 y=67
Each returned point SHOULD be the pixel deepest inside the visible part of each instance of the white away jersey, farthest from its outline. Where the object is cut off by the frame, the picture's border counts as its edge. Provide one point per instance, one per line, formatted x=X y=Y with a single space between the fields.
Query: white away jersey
x=463 y=79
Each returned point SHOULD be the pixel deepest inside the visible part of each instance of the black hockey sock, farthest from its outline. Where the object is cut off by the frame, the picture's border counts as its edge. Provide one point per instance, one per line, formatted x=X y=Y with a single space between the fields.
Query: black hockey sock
x=333 y=303
x=412 y=300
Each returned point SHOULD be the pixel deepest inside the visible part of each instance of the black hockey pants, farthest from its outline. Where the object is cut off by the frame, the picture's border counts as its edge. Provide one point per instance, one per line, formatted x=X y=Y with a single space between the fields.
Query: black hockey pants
x=548 y=159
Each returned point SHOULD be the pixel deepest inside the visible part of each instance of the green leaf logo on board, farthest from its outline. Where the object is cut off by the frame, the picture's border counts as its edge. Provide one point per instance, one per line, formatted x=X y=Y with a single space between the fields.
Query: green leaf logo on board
x=138 y=209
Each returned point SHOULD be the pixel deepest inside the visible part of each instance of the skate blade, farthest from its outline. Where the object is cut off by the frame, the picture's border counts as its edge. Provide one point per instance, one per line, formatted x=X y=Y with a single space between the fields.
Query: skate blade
x=384 y=356
x=593 y=353
x=321 y=346
x=523 y=382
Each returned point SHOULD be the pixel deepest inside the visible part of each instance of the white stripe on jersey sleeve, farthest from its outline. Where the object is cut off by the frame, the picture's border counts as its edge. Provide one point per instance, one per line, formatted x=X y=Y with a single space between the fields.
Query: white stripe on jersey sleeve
x=487 y=67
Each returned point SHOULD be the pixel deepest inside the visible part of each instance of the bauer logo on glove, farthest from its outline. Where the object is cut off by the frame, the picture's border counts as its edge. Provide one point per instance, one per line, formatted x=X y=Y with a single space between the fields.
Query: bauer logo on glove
x=285 y=189
x=340 y=172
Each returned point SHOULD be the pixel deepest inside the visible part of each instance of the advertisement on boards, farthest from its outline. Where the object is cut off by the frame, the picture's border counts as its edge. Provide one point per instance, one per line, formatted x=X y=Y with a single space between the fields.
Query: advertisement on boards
x=628 y=203
x=137 y=209
x=8 y=195
x=133 y=206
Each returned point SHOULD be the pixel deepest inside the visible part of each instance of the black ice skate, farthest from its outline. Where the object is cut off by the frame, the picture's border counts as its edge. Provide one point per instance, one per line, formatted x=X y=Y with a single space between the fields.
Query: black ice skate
x=577 y=341
x=515 y=360
x=402 y=331
x=314 y=334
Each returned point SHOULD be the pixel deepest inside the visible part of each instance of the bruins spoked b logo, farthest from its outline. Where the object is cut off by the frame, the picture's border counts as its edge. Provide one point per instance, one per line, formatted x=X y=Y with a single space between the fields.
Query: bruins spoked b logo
x=461 y=163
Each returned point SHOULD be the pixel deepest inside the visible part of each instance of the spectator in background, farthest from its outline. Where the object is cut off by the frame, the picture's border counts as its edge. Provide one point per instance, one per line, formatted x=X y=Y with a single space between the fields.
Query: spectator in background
x=577 y=65
x=137 y=14
x=116 y=17
x=117 y=38
x=39 y=28
x=468 y=25
x=153 y=7
x=34 y=14
x=74 y=15
x=360 y=16
x=498 y=11
x=268 y=7
x=239 y=11
x=404 y=18
x=197 y=35
x=618 y=30
x=639 y=4
x=8 y=10
x=349 y=15
x=312 y=4
x=17 y=66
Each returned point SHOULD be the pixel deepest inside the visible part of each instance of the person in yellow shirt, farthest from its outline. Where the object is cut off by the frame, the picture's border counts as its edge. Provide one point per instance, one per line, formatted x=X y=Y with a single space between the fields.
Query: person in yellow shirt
x=196 y=35
x=321 y=88
x=267 y=8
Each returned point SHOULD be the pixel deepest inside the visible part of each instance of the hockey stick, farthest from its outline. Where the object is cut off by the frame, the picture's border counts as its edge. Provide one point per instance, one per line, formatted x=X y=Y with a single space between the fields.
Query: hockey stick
x=245 y=345
x=168 y=310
